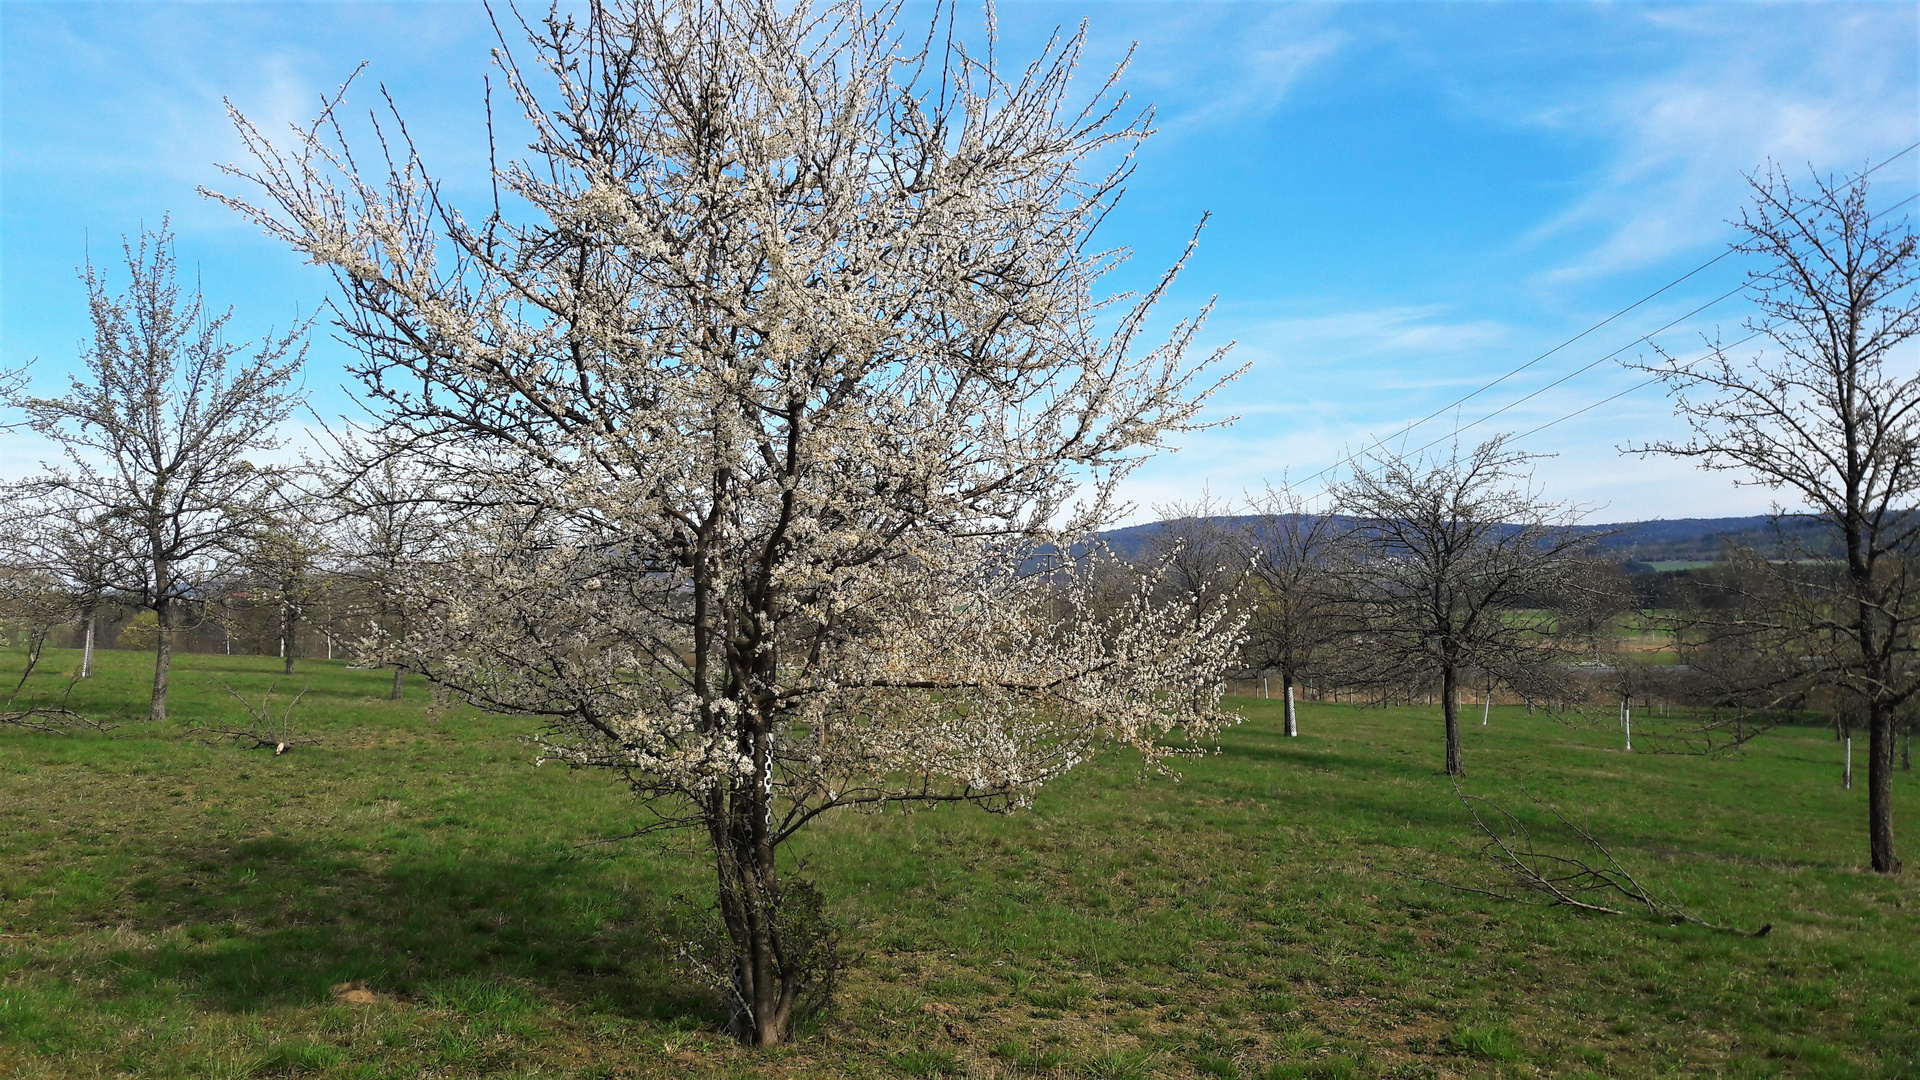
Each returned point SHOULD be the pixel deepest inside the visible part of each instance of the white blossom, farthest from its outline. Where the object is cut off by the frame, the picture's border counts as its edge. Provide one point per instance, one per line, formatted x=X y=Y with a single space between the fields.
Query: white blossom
x=782 y=419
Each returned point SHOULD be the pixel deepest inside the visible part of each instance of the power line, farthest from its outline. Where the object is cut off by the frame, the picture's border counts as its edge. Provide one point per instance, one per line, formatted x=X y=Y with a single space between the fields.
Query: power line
x=1583 y=369
x=1656 y=378
x=1510 y=374
x=1623 y=393
x=1890 y=161
x=1630 y=307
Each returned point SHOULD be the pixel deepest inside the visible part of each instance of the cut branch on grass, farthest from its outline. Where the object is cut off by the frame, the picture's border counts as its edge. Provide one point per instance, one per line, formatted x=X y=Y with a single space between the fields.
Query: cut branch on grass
x=265 y=731
x=51 y=719
x=1589 y=877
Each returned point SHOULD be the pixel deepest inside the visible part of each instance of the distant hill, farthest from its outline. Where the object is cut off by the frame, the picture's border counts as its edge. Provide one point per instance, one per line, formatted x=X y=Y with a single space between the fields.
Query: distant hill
x=1635 y=544
x=1702 y=539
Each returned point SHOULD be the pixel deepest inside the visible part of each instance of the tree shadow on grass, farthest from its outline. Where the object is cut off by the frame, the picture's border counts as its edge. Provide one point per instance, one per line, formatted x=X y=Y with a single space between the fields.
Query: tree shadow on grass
x=275 y=921
x=1317 y=757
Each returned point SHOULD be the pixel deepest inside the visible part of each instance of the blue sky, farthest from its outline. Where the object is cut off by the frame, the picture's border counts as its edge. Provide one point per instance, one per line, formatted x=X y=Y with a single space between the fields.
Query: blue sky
x=1407 y=199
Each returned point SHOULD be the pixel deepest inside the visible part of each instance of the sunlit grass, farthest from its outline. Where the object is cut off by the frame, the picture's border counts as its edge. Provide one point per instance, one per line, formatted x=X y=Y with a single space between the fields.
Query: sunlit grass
x=172 y=908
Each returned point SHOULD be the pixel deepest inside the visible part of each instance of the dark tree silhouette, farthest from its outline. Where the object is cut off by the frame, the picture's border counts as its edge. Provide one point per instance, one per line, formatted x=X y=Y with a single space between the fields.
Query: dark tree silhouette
x=1457 y=565
x=1828 y=415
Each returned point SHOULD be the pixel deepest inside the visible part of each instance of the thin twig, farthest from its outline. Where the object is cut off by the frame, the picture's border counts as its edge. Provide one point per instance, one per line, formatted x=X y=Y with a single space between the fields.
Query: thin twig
x=264 y=731
x=1563 y=880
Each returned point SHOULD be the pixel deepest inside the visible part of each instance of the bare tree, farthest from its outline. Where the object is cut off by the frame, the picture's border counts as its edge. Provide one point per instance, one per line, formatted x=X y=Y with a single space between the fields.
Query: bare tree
x=1829 y=416
x=1198 y=553
x=281 y=559
x=388 y=525
x=1588 y=622
x=76 y=545
x=157 y=432
x=1599 y=595
x=1294 y=605
x=778 y=425
x=1458 y=564
x=1742 y=672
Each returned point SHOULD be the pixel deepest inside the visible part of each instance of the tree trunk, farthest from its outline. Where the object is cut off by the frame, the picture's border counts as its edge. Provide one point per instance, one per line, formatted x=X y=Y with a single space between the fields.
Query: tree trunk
x=162 y=657
x=399 y=676
x=1880 y=788
x=1450 y=706
x=749 y=903
x=1286 y=686
x=86 y=650
x=289 y=622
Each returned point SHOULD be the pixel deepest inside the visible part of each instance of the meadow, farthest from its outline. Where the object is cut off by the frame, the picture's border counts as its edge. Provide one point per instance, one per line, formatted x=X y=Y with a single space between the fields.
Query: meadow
x=174 y=906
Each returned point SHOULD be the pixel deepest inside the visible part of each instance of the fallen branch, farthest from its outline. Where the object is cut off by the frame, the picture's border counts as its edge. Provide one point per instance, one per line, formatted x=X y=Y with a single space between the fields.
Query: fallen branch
x=1548 y=879
x=265 y=732
x=50 y=719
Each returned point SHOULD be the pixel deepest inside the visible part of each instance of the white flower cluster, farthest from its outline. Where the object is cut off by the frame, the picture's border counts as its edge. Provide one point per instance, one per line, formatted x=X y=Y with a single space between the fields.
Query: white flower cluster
x=780 y=424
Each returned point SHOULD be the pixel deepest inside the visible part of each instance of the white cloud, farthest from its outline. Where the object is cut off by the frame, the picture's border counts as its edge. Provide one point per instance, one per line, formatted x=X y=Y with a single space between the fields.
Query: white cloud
x=153 y=117
x=1833 y=92
x=1209 y=65
x=1406 y=330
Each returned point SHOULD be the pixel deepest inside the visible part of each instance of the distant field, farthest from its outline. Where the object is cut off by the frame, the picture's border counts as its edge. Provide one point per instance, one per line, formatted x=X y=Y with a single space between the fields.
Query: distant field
x=173 y=909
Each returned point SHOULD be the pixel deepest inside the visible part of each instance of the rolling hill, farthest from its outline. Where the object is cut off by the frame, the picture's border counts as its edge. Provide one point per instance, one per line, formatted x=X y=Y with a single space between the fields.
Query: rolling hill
x=1636 y=544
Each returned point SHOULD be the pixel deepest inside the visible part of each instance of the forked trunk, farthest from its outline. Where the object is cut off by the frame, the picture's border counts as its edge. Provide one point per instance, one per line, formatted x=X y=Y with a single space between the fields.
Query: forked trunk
x=1450 y=706
x=763 y=989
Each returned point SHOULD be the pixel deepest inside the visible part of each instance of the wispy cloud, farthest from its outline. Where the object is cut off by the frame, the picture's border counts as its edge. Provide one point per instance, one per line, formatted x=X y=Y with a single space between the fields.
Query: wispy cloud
x=1411 y=331
x=1204 y=66
x=1737 y=92
x=165 y=105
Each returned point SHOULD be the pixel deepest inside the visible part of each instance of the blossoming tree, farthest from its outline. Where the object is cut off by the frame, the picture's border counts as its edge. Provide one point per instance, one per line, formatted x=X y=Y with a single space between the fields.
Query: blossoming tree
x=780 y=402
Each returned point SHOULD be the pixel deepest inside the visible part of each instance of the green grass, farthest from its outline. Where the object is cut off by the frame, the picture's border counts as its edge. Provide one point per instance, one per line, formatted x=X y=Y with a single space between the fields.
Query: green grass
x=175 y=909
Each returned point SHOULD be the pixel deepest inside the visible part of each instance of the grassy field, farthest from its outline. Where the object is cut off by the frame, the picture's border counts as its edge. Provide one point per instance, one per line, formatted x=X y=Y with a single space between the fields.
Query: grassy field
x=172 y=908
